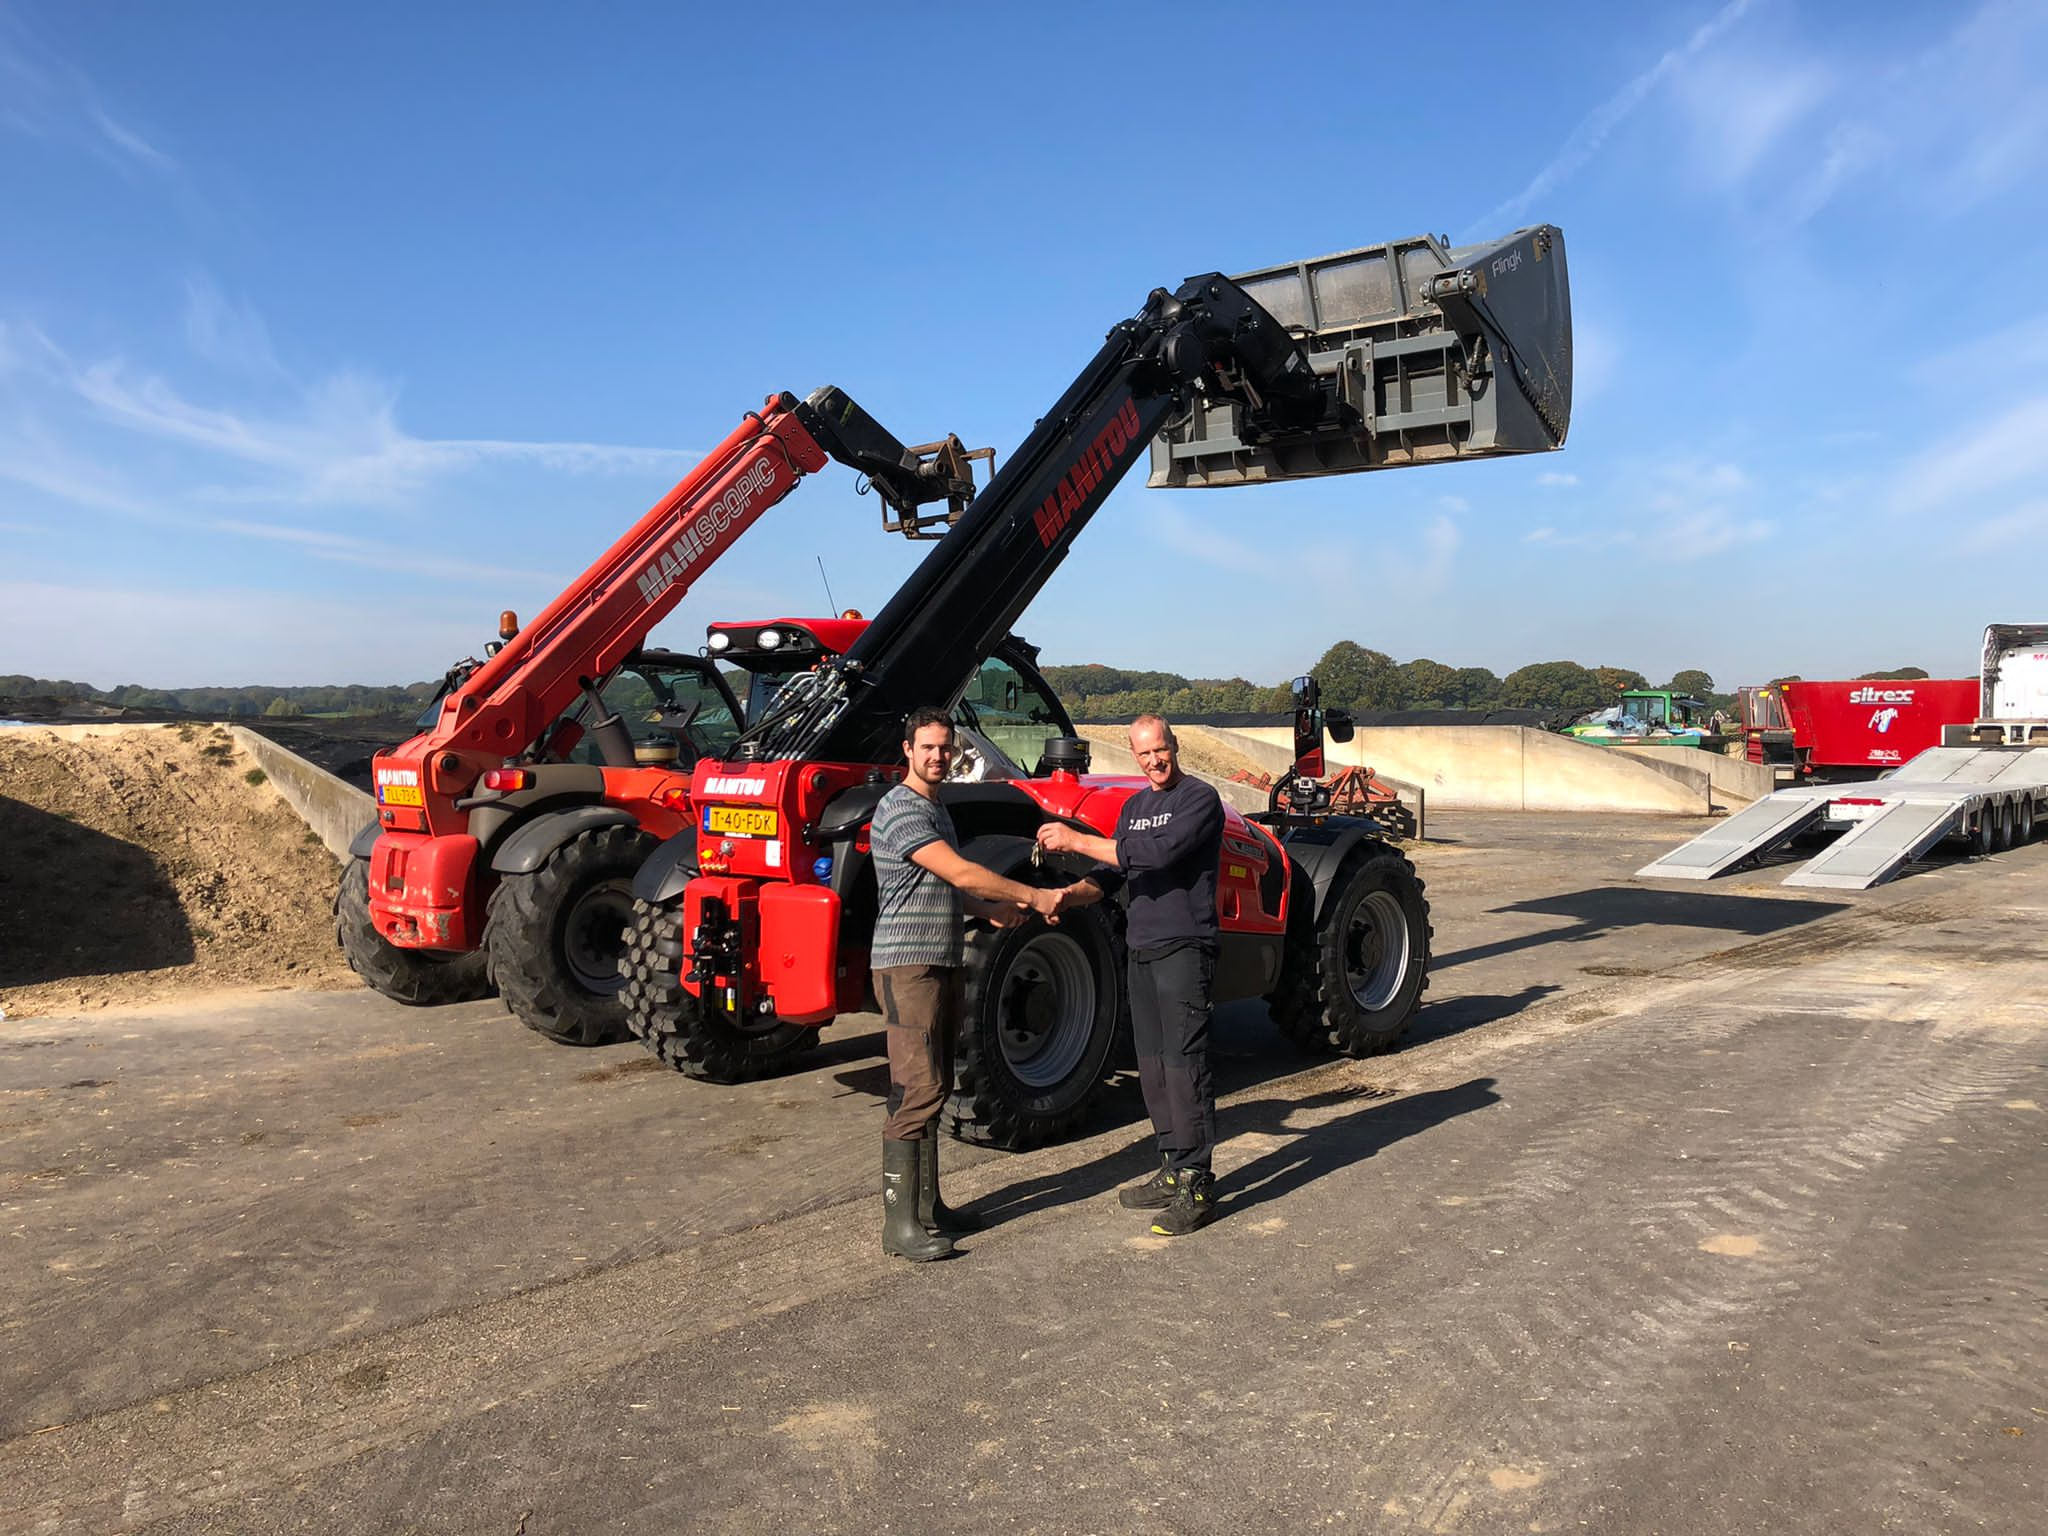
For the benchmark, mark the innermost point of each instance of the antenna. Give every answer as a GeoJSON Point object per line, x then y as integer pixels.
{"type": "Point", "coordinates": [830, 603]}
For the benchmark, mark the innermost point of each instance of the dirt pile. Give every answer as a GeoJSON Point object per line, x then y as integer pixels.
{"type": "Point", "coordinates": [1201, 750]}
{"type": "Point", "coordinates": [141, 861]}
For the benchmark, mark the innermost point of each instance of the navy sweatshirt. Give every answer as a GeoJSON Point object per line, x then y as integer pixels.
{"type": "Point", "coordinates": [1168, 842]}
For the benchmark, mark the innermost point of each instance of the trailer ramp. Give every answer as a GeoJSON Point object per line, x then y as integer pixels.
{"type": "Point", "coordinates": [1748, 834]}
{"type": "Point", "coordinates": [1918, 805]}
{"type": "Point", "coordinates": [1877, 848]}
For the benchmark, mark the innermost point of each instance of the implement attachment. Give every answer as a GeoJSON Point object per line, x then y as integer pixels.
{"type": "Point", "coordinates": [1424, 352]}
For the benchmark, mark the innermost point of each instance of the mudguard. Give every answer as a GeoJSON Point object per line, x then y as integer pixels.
{"type": "Point", "coordinates": [668, 869]}
{"type": "Point", "coordinates": [1320, 851]}
{"type": "Point", "coordinates": [528, 848]}
{"type": "Point", "coordinates": [365, 840]}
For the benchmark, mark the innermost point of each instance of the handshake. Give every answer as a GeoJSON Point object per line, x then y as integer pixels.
{"type": "Point", "coordinates": [1042, 902]}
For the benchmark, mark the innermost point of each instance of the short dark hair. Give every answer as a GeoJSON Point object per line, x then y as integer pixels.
{"type": "Point", "coordinates": [918, 719]}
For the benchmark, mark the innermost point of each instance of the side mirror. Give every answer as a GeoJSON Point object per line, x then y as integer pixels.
{"type": "Point", "coordinates": [1308, 729]}
{"type": "Point", "coordinates": [1340, 724]}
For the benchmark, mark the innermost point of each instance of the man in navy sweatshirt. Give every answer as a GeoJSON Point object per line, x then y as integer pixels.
{"type": "Point", "coordinates": [1166, 848]}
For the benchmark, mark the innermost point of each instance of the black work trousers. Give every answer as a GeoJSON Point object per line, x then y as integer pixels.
{"type": "Point", "coordinates": [1170, 1027]}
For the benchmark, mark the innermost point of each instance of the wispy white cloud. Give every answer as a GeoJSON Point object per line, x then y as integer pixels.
{"type": "Point", "coordinates": [338, 441]}
{"type": "Point", "coordinates": [1556, 477]}
{"type": "Point", "coordinates": [1977, 464]}
{"type": "Point", "coordinates": [46, 97]}
{"type": "Point", "coordinates": [1428, 569]}
{"type": "Point", "coordinates": [12, 527]}
{"type": "Point", "coordinates": [128, 141]}
{"type": "Point", "coordinates": [2023, 525]}
{"type": "Point", "coordinates": [324, 544]}
{"type": "Point", "coordinates": [1741, 105]}
{"type": "Point", "coordinates": [228, 334]}
{"type": "Point", "coordinates": [1596, 127]}
{"type": "Point", "coordinates": [1694, 512]}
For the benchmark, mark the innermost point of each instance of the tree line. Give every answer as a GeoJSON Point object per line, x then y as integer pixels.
{"type": "Point", "coordinates": [349, 699]}
{"type": "Point", "coordinates": [1356, 677]}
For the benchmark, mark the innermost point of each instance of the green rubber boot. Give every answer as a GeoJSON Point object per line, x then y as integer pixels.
{"type": "Point", "coordinates": [933, 1214]}
{"type": "Point", "coordinates": [902, 1235]}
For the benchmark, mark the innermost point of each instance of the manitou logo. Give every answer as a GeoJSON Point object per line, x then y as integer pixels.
{"type": "Point", "coordinates": [407, 776]}
{"type": "Point", "coordinates": [1882, 720]}
{"type": "Point", "coordinates": [675, 563]}
{"type": "Point", "coordinates": [1881, 696]}
{"type": "Point", "coordinates": [717, 785]}
{"type": "Point", "coordinates": [1095, 463]}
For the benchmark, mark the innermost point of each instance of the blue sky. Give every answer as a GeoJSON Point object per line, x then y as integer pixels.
{"type": "Point", "coordinates": [325, 333]}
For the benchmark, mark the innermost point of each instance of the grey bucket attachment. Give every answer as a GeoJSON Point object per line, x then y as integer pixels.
{"type": "Point", "coordinates": [1439, 353]}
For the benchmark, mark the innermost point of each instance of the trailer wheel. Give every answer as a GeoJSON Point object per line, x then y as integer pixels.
{"type": "Point", "coordinates": [1986, 835]}
{"type": "Point", "coordinates": [2023, 824]}
{"type": "Point", "coordinates": [678, 1028]}
{"type": "Point", "coordinates": [422, 978]}
{"type": "Point", "coordinates": [2005, 825]}
{"type": "Point", "coordinates": [1354, 986]}
{"type": "Point", "coordinates": [1042, 1007]}
{"type": "Point", "coordinates": [556, 935]}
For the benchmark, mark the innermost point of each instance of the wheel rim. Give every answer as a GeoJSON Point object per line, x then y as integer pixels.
{"type": "Point", "coordinates": [1376, 950]}
{"type": "Point", "coordinates": [1048, 1012]}
{"type": "Point", "coordinates": [594, 936]}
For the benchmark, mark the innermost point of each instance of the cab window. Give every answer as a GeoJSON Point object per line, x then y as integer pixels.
{"type": "Point", "coordinates": [640, 693]}
{"type": "Point", "coordinates": [1011, 711]}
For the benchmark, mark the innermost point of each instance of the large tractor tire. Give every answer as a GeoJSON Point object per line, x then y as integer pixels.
{"type": "Point", "coordinates": [1354, 984]}
{"type": "Point", "coordinates": [681, 1031]}
{"type": "Point", "coordinates": [1036, 1039]}
{"type": "Point", "coordinates": [420, 978]}
{"type": "Point", "coordinates": [556, 936]}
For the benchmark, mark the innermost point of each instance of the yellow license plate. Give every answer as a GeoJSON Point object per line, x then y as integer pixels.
{"type": "Point", "coordinates": [739, 821]}
{"type": "Point", "coordinates": [400, 794]}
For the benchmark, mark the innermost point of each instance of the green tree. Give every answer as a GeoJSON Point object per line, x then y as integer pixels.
{"type": "Point", "coordinates": [1615, 679]}
{"type": "Point", "coordinates": [283, 708]}
{"type": "Point", "coordinates": [1353, 677]}
{"type": "Point", "coordinates": [1425, 684]}
{"type": "Point", "coordinates": [1472, 688]}
{"type": "Point", "coordinates": [1693, 681]}
{"type": "Point", "coordinates": [1562, 686]}
{"type": "Point", "coordinates": [1897, 675]}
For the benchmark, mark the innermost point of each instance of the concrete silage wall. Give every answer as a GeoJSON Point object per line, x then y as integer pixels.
{"type": "Point", "coordinates": [336, 811]}
{"type": "Point", "coordinates": [1506, 768]}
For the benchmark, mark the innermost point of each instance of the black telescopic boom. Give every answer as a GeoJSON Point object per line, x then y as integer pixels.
{"type": "Point", "coordinates": [1207, 339]}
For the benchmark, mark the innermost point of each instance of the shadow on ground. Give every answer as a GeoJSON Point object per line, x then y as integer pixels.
{"type": "Point", "coordinates": [1380, 1120]}
{"type": "Point", "coordinates": [1606, 909]}
{"type": "Point", "coordinates": [77, 902]}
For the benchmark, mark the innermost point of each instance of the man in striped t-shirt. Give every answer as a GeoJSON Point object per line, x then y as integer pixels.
{"type": "Point", "coordinates": [926, 892]}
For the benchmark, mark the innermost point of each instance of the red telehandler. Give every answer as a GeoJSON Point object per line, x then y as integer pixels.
{"type": "Point", "coordinates": [753, 928]}
{"type": "Point", "coordinates": [509, 829]}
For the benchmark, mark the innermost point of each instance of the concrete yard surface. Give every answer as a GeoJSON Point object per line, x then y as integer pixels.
{"type": "Point", "coordinates": [1682, 1211]}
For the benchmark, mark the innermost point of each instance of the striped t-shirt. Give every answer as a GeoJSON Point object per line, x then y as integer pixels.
{"type": "Point", "coordinates": [920, 917]}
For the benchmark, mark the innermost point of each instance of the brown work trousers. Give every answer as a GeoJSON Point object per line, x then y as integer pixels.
{"type": "Point", "coordinates": [922, 1004]}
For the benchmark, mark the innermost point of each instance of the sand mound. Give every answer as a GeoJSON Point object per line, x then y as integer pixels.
{"type": "Point", "coordinates": [1201, 750]}
{"type": "Point", "coordinates": [138, 862]}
